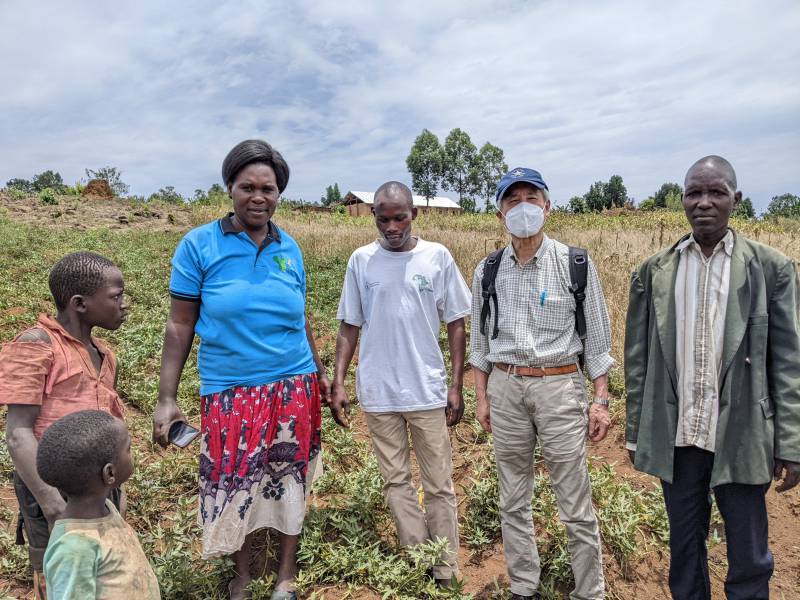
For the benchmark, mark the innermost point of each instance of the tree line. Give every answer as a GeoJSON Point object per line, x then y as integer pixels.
{"type": "Point", "coordinates": [457, 165]}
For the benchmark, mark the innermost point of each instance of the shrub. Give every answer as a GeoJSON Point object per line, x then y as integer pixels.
{"type": "Point", "coordinates": [48, 196]}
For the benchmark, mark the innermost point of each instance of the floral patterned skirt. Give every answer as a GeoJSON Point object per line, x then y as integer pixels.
{"type": "Point", "coordinates": [258, 456]}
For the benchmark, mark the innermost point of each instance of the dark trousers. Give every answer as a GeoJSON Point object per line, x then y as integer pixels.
{"type": "Point", "coordinates": [744, 512]}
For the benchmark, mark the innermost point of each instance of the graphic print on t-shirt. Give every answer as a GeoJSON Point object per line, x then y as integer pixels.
{"type": "Point", "coordinates": [423, 284]}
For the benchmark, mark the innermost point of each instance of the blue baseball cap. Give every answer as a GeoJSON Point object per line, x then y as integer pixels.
{"type": "Point", "coordinates": [517, 175]}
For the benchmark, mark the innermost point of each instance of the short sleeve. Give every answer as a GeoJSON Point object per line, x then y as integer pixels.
{"type": "Point", "coordinates": [24, 367]}
{"type": "Point", "coordinates": [350, 310]}
{"type": "Point", "coordinates": [187, 275]}
{"type": "Point", "coordinates": [457, 297]}
{"type": "Point", "coordinates": [70, 567]}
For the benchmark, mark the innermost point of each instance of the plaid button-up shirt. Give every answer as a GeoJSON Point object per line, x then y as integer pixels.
{"type": "Point", "coordinates": [537, 315]}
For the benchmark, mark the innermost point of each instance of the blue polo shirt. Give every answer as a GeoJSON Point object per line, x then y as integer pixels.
{"type": "Point", "coordinates": [252, 305]}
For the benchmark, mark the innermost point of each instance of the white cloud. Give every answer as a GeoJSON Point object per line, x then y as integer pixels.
{"type": "Point", "coordinates": [580, 90]}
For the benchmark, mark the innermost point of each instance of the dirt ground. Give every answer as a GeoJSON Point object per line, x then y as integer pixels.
{"type": "Point", "coordinates": [82, 214]}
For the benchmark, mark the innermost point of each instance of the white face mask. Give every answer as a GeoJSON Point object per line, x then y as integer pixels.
{"type": "Point", "coordinates": [524, 220]}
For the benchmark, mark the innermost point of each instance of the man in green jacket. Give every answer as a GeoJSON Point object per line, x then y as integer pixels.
{"type": "Point", "coordinates": [712, 371]}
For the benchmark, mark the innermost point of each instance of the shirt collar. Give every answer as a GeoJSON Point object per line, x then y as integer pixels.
{"type": "Point", "coordinates": [546, 241]}
{"type": "Point", "coordinates": [227, 226]}
{"type": "Point", "coordinates": [726, 243]}
{"type": "Point", "coordinates": [51, 324]}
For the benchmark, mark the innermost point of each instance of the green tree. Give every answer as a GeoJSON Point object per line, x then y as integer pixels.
{"type": "Point", "coordinates": [785, 205]}
{"type": "Point", "coordinates": [674, 200]}
{"type": "Point", "coordinates": [167, 194]}
{"type": "Point", "coordinates": [332, 195]}
{"type": "Point", "coordinates": [648, 204]}
{"type": "Point", "coordinates": [460, 156]}
{"type": "Point", "coordinates": [615, 193]}
{"type": "Point", "coordinates": [576, 205]}
{"type": "Point", "coordinates": [661, 195]}
{"type": "Point", "coordinates": [23, 185]}
{"type": "Point", "coordinates": [489, 167]}
{"type": "Point", "coordinates": [595, 198]}
{"type": "Point", "coordinates": [745, 209]}
{"type": "Point", "coordinates": [114, 178]}
{"type": "Point", "coordinates": [48, 179]}
{"type": "Point", "coordinates": [425, 163]}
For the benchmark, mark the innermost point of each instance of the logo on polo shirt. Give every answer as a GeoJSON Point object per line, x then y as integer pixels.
{"type": "Point", "coordinates": [282, 262]}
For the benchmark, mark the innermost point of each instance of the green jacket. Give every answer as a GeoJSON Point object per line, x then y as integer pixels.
{"type": "Point", "coordinates": [759, 399]}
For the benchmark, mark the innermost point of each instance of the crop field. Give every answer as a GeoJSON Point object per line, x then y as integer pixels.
{"type": "Point", "coordinates": [348, 546]}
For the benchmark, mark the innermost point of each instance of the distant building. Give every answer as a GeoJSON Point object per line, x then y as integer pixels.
{"type": "Point", "coordinates": [359, 204]}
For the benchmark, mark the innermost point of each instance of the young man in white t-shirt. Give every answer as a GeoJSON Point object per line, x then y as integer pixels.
{"type": "Point", "coordinates": [399, 289]}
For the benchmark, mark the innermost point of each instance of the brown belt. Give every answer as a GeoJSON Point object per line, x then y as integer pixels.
{"type": "Point", "coordinates": [536, 371]}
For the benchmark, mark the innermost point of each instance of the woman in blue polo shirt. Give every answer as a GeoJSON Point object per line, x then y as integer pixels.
{"type": "Point", "coordinates": [239, 284]}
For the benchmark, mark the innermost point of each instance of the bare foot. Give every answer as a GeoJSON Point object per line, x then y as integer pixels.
{"type": "Point", "coordinates": [237, 588]}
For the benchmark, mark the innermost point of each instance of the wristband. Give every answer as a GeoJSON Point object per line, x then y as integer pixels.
{"type": "Point", "coordinates": [600, 401]}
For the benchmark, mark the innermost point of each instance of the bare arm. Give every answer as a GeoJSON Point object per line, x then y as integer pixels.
{"type": "Point", "coordinates": [322, 376]}
{"type": "Point", "coordinates": [346, 342]}
{"type": "Point", "coordinates": [457, 341]}
{"type": "Point", "coordinates": [178, 337]}
{"type": "Point", "coordinates": [22, 446]}
{"type": "Point", "coordinates": [482, 410]}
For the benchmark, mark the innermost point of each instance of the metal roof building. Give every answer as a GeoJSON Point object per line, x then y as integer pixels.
{"type": "Point", "coordinates": [360, 204]}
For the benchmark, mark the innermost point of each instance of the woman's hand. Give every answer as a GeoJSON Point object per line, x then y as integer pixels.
{"type": "Point", "coordinates": [166, 413]}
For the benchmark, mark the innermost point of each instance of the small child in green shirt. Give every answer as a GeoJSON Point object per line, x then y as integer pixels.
{"type": "Point", "coordinates": [92, 552]}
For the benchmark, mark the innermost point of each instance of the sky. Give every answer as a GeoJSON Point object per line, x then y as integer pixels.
{"type": "Point", "coordinates": [578, 90]}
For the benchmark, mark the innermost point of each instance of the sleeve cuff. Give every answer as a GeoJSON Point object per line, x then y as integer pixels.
{"type": "Point", "coordinates": [184, 297]}
{"type": "Point", "coordinates": [630, 446]}
{"type": "Point", "coordinates": [480, 362]}
{"type": "Point", "coordinates": [599, 365]}
{"type": "Point", "coordinates": [457, 316]}
{"type": "Point", "coordinates": [353, 322]}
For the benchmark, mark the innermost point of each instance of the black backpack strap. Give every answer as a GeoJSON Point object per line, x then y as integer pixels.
{"type": "Point", "coordinates": [578, 274]}
{"type": "Point", "coordinates": [488, 291]}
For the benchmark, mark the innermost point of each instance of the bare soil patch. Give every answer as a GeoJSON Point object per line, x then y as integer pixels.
{"type": "Point", "coordinates": [96, 212]}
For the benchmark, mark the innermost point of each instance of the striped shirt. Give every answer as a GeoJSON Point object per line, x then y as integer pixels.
{"type": "Point", "coordinates": [537, 315]}
{"type": "Point", "coordinates": [701, 300]}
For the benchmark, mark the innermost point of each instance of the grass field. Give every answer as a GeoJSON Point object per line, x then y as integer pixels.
{"type": "Point", "coordinates": [348, 546]}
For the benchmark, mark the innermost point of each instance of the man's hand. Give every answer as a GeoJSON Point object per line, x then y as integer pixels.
{"type": "Point", "coordinates": [340, 405]}
{"type": "Point", "coordinates": [482, 414]}
{"type": "Point", "coordinates": [455, 406]}
{"type": "Point", "coordinates": [791, 477]}
{"type": "Point", "coordinates": [599, 422]}
{"type": "Point", "coordinates": [165, 414]}
{"type": "Point", "coordinates": [324, 387]}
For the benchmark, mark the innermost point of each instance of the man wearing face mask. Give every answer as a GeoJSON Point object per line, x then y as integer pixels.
{"type": "Point", "coordinates": [529, 385]}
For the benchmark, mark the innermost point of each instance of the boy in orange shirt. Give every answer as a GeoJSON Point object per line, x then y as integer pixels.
{"type": "Point", "coordinates": [54, 369]}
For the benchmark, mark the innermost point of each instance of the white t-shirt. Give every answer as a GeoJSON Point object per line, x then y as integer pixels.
{"type": "Point", "coordinates": [399, 300]}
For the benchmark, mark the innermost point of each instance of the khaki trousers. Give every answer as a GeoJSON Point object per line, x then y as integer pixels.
{"type": "Point", "coordinates": [389, 433]}
{"type": "Point", "coordinates": [553, 409]}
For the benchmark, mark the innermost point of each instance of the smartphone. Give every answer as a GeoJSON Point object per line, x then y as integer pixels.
{"type": "Point", "coordinates": [181, 434]}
